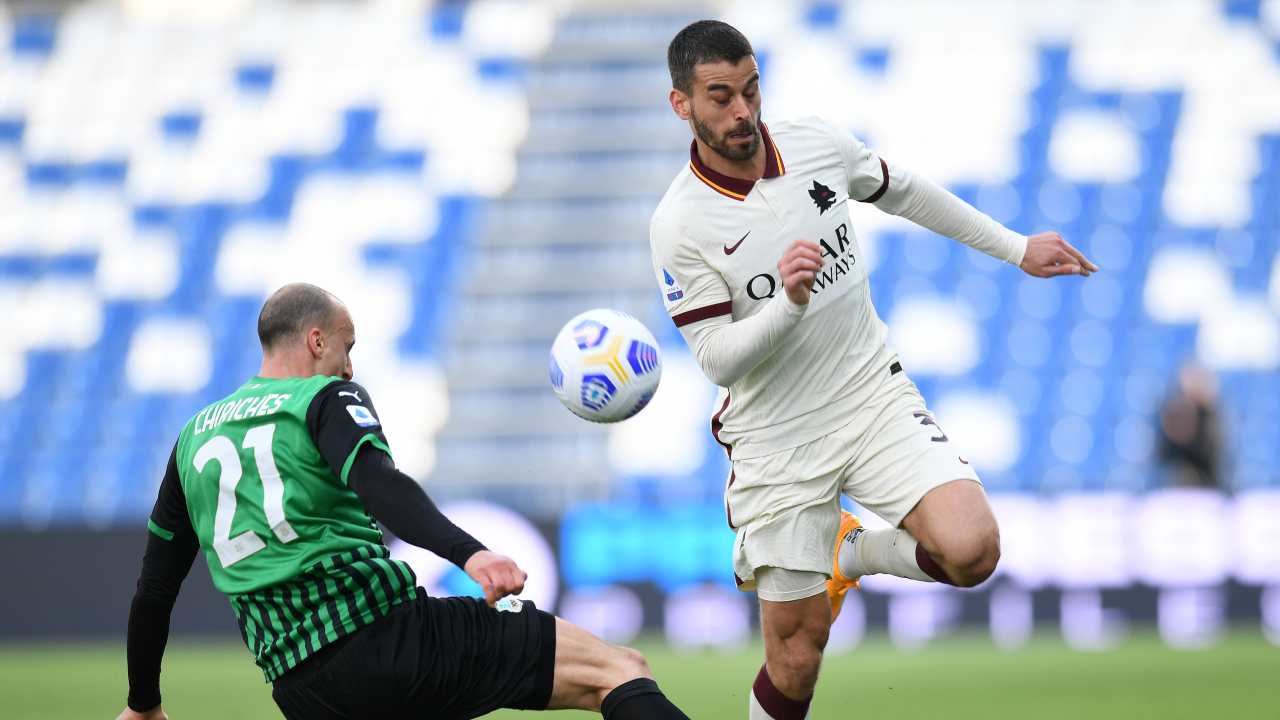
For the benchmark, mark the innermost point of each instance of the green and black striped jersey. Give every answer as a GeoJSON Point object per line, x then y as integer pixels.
{"type": "Point", "coordinates": [259, 479]}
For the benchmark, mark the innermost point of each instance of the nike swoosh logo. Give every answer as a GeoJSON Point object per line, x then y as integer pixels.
{"type": "Point", "coordinates": [731, 249]}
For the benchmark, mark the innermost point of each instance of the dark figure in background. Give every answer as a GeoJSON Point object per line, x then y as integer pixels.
{"type": "Point", "coordinates": [1190, 432]}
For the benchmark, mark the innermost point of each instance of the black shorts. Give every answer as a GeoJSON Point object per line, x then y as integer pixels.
{"type": "Point", "coordinates": [428, 658]}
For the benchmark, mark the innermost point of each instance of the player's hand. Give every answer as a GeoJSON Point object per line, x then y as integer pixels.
{"type": "Point", "coordinates": [1049, 255]}
{"type": "Point", "coordinates": [799, 266]}
{"type": "Point", "coordinates": [155, 713]}
{"type": "Point", "coordinates": [498, 575]}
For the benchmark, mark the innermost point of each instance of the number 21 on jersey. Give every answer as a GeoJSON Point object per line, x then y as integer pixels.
{"type": "Point", "coordinates": [232, 550]}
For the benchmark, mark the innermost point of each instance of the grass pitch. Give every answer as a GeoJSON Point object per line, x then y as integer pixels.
{"type": "Point", "coordinates": [952, 679]}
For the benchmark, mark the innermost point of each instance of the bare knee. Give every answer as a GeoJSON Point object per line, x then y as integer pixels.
{"type": "Point", "coordinates": [954, 523]}
{"type": "Point", "coordinates": [971, 561]}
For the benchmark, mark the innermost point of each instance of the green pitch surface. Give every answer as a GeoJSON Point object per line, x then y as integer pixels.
{"type": "Point", "coordinates": [957, 678]}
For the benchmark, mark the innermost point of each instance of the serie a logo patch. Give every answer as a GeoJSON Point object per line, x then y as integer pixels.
{"type": "Point", "coordinates": [673, 290]}
{"type": "Point", "coordinates": [362, 416]}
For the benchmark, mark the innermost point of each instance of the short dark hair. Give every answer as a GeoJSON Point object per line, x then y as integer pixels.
{"type": "Point", "coordinates": [702, 42]}
{"type": "Point", "coordinates": [291, 310]}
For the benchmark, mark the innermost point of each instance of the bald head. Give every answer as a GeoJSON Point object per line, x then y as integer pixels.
{"type": "Point", "coordinates": [293, 310]}
{"type": "Point", "coordinates": [305, 331]}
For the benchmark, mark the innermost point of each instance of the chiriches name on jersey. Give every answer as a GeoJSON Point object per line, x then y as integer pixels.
{"type": "Point", "coordinates": [253, 406]}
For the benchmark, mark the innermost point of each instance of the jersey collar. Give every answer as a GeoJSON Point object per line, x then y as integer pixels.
{"type": "Point", "coordinates": [733, 187]}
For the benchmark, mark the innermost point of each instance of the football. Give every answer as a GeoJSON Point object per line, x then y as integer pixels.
{"type": "Point", "coordinates": [605, 365]}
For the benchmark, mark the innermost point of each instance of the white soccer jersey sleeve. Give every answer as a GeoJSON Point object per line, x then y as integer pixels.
{"type": "Point", "coordinates": [691, 289]}
{"type": "Point", "coordinates": [905, 194]}
{"type": "Point", "coordinates": [931, 206]}
{"type": "Point", "coordinates": [725, 350]}
{"type": "Point", "coordinates": [868, 173]}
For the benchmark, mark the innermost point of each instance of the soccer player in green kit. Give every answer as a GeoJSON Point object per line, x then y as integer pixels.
{"type": "Point", "coordinates": [279, 484]}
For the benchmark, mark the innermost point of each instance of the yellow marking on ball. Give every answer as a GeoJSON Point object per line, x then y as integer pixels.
{"type": "Point", "coordinates": [609, 356]}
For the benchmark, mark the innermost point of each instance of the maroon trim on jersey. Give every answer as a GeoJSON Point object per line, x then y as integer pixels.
{"type": "Point", "coordinates": [737, 188]}
{"type": "Point", "coordinates": [703, 313]}
{"type": "Point", "coordinates": [883, 186]}
{"type": "Point", "coordinates": [728, 511]}
{"type": "Point", "coordinates": [716, 426]}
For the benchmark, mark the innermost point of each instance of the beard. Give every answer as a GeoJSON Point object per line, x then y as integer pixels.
{"type": "Point", "coordinates": [721, 144]}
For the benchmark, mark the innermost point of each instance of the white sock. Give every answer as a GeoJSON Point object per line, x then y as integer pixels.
{"type": "Point", "coordinates": [754, 711]}
{"type": "Point", "coordinates": [888, 550]}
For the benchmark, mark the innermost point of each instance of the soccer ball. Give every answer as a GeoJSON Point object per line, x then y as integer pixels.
{"type": "Point", "coordinates": [605, 365]}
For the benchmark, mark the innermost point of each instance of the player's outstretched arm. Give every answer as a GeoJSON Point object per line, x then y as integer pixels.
{"type": "Point", "coordinates": [397, 501]}
{"type": "Point", "coordinates": [346, 430]}
{"type": "Point", "coordinates": [171, 548]}
{"type": "Point", "coordinates": [1048, 255]}
{"type": "Point", "coordinates": [930, 206]}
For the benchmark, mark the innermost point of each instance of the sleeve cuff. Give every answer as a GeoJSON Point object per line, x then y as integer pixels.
{"type": "Point", "coordinates": [792, 308]}
{"type": "Point", "coordinates": [144, 702]}
{"type": "Point", "coordinates": [1018, 249]}
{"type": "Point", "coordinates": [159, 531]}
{"type": "Point", "coordinates": [370, 438]}
{"type": "Point", "coordinates": [463, 554]}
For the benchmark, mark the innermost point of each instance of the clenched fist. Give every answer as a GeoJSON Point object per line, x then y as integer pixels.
{"type": "Point", "coordinates": [799, 266]}
{"type": "Point", "coordinates": [498, 575]}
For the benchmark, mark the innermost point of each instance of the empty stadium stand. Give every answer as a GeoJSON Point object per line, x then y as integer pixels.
{"type": "Point", "coordinates": [470, 176]}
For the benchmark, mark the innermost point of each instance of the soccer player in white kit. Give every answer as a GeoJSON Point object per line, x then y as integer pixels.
{"type": "Point", "coordinates": [761, 271]}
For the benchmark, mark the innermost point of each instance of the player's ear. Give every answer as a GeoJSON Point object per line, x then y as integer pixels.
{"type": "Point", "coordinates": [315, 342]}
{"type": "Point", "coordinates": [679, 103]}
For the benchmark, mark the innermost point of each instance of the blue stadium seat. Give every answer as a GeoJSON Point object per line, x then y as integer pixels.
{"type": "Point", "coordinates": [34, 35]}
{"type": "Point", "coordinates": [11, 130]}
{"type": "Point", "coordinates": [255, 78]}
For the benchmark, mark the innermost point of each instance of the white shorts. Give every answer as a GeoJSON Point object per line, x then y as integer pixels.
{"type": "Point", "coordinates": [785, 506]}
{"type": "Point", "coordinates": [781, 585]}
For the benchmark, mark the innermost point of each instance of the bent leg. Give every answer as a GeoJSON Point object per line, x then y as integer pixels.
{"type": "Point", "coordinates": [591, 674]}
{"type": "Point", "coordinates": [911, 475]}
{"type": "Point", "coordinates": [957, 533]}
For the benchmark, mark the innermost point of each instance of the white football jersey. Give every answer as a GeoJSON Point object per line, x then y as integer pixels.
{"type": "Point", "coordinates": [716, 242]}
